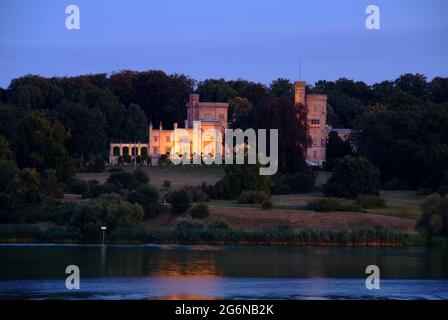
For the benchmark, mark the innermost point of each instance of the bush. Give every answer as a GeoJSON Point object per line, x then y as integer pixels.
{"type": "Point", "coordinates": [295, 183]}
{"type": "Point", "coordinates": [55, 211]}
{"type": "Point", "coordinates": [434, 219]}
{"type": "Point", "coordinates": [95, 190]}
{"type": "Point", "coordinates": [351, 177]}
{"type": "Point", "coordinates": [195, 194]}
{"type": "Point", "coordinates": [144, 195]}
{"type": "Point", "coordinates": [166, 184]}
{"type": "Point", "coordinates": [218, 224]}
{"type": "Point", "coordinates": [59, 193]}
{"type": "Point", "coordinates": [395, 184]}
{"type": "Point", "coordinates": [109, 210]}
{"type": "Point", "coordinates": [302, 182]}
{"type": "Point", "coordinates": [368, 201]}
{"type": "Point", "coordinates": [188, 229]}
{"type": "Point", "coordinates": [125, 180]}
{"type": "Point", "coordinates": [8, 170]}
{"type": "Point", "coordinates": [266, 205]}
{"type": "Point", "coordinates": [331, 204]}
{"type": "Point", "coordinates": [252, 197]}
{"type": "Point", "coordinates": [96, 165]}
{"type": "Point", "coordinates": [179, 201]}
{"type": "Point", "coordinates": [239, 178]}
{"type": "Point", "coordinates": [78, 187]}
{"type": "Point", "coordinates": [153, 209]}
{"type": "Point", "coordinates": [141, 176]}
{"type": "Point", "coordinates": [19, 232]}
{"type": "Point", "coordinates": [200, 211]}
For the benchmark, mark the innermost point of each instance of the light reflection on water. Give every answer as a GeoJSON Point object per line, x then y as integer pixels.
{"type": "Point", "coordinates": [208, 272]}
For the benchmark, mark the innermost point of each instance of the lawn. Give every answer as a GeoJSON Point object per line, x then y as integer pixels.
{"type": "Point", "coordinates": [400, 213]}
{"type": "Point", "coordinates": [178, 175]}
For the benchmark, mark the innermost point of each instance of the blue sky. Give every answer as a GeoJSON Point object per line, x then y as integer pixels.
{"type": "Point", "coordinates": [258, 40]}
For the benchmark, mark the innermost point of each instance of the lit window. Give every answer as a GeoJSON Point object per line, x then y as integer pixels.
{"type": "Point", "coordinates": [155, 150]}
{"type": "Point", "coordinates": [156, 138]}
{"type": "Point", "coordinates": [221, 116]}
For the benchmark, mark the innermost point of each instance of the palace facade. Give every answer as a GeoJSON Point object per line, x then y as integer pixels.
{"type": "Point", "coordinates": [214, 115]}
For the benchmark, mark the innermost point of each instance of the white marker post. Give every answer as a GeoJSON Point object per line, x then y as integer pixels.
{"type": "Point", "coordinates": [103, 228]}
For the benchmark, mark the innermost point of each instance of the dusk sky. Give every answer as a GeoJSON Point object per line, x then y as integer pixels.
{"type": "Point", "coordinates": [257, 40]}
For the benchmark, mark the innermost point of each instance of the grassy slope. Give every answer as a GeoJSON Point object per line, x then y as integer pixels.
{"type": "Point", "coordinates": [401, 212]}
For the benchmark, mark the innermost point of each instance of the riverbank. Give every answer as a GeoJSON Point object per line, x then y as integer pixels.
{"type": "Point", "coordinates": [195, 234]}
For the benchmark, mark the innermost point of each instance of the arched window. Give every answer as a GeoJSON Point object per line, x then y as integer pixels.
{"type": "Point", "coordinates": [125, 151]}
{"type": "Point", "coordinates": [116, 151]}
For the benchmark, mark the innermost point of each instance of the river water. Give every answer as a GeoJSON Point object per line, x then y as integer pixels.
{"type": "Point", "coordinates": [221, 272]}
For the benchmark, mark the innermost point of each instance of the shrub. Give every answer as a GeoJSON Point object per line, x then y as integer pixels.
{"type": "Point", "coordinates": [218, 224]}
{"type": "Point", "coordinates": [351, 177]}
{"type": "Point", "coordinates": [144, 195]}
{"type": "Point", "coordinates": [125, 180]}
{"type": "Point", "coordinates": [266, 205]}
{"type": "Point", "coordinates": [200, 211]}
{"type": "Point", "coordinates": [239, 178]}
{"type": "Point", "coordinates": [195, 194]}
{"type": "Point", "coordinates": [153, 209]}
{"type": "Point", "coordinates": [96, 165]}
{"type": "Point", "coordinates": [368, 201]}
{"type": "Point", "coordinates": [179, 201]}
{"type": "Point", "coordinates": [8, 170]}
{"type": "Point", "coordinates": [302, 182]}
{"type": "Point", "coordinates": [166, 184]}
{"type": "Point", "coordinates": [58, 233]}
{"type": "Point", "coordinates": [330, 204]}
{"type": "Point", "coordinates": [21, 231]}
{"type": "Point", "coordinates": [434, 219]}
{"type": "Point", "coordinates": [252, 197]}
{"type": "Point", "coordinates": [395, 184]}
{"type": "Point", "coordinates": [188, 229]}
{"type": "Point", "coordinates": [295, 183]}
{"type": "Point", "coordinates": [78, 187]}
{"type": "Point", "coordinates": [281, 184]}
{"type": "Point", "coordinates": [141, 176]}
{"type": "Point", "coordinates": [55, 211]}
{"type": "Point", "coordinates": [109, 210]}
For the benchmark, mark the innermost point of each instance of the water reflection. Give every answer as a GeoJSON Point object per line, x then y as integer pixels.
{"type": "Point", "coordinates": [154, 272]}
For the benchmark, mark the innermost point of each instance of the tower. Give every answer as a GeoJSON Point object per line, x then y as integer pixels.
{"type": "Point", "coordinates": [299, 92]}
{"type": "Point", "coordinates": [316, 109]}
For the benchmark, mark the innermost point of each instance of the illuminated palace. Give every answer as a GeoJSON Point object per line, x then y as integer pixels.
{"type": "Point", "coordinates": [214, 115]}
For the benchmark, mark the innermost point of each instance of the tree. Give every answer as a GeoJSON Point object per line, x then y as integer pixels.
{"type": "Point", "coordinates": [414, 84]}
{"type": "Point", "coordinates": [434, 219]}
{"type": "Point", "coordinates": [241, 113]}
{"type": "Point", "coordinates": [107, 210]}
{"type": "Point", "coordinates": [86, 127]}
{"type": "Point", "coordinates": [40, 145]}
{"type": "Point", "coordinates": [290, 120]}
{"type": "Point", "coordinates": [215, 90]}
{"type": "Point", "coordinates": [351, 177]}
{"type": "Point", "coordinates": [242, 177]}
{"type": "Point", "coordinates": [282, 88]}
{"type": "Point", "coordinates": [179, 201]}
{"type": "Point", "coordinates": [336, 148]}
{"type": "Point", "coordinates": [8, 171]}
{"type": "Point", "coordinates": [24, 195]}
{"type": "Point", "coordinates": [5, 151]}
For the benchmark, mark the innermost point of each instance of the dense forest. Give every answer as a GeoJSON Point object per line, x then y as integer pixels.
{"type": "Point", "coordinates": [65, 124]}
